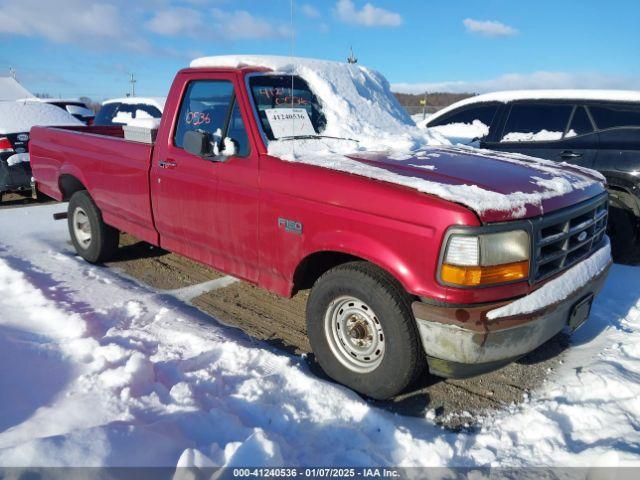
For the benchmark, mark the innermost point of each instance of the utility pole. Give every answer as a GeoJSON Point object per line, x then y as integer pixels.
{"type": "Point", "coordinates": [352, 58]}
{"type": "Point", "coordinates": [424, 106]}
{"type": "Point", "coordinates": [132, 81]}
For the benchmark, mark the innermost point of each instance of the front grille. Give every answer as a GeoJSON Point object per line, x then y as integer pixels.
{"type": "Point", "coordinates": [564, 238]}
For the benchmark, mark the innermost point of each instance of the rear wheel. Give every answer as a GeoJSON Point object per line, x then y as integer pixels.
{"type": "Point", "coordinates": [94, 240]}
{"type": "Point", "coordinates": [623, 228]}
{"type": "Point", "coordinates": [362, 330]}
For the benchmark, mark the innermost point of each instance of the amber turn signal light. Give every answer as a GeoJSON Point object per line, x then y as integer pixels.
{"type": "Point", "coordinates": [473, 276]}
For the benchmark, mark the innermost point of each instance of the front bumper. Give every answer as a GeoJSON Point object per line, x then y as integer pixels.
{"type": "Point", "coordinates": [461, 342]}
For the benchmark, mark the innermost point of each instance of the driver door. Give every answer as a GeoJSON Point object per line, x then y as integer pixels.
{"type": "Point", "coordinates": [192, 212]}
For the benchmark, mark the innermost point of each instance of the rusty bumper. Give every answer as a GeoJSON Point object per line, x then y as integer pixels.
{"type": "Point", "coordinates": [461, 342]}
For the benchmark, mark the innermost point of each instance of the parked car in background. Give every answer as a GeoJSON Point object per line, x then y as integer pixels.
{"type": "Point", "coordinates": [598, 129]}
{"type": "Point", "coordinates": [16, 119]}
{"type": "Point", "coordinates": [455, 259]}
{"type": "Point", "coordinates": [75, 107]}
{"type": "Point", "coordinates": [120, 111]}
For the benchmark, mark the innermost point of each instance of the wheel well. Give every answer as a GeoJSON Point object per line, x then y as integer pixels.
{"type": "Point", "coordinates": [627, 198]}
{"type": "Point", "coordinates": [69, 185]}
{"type": "Point", "coordinates": [312, 267]}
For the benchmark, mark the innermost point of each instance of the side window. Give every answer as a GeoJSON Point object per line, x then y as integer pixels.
{"type": "Point", "coordinates": [536, 122]}
{"type": "Point", "coordinates": [146, 111]}
{"type": "Point", "coordinates": [106, 114]}
{"type": "Point", "coordinates": [615, 116]}
{"type": "Point", "coordinates": [580, 123]}
{"type": "Point", "coordinates": [204, 107]}
{"type": "Point", "coordinates": [483, 113]}
{"type": "Point", "coordinates": [237, 132]}
{"type": "Point", "coordinates": [470, 122]}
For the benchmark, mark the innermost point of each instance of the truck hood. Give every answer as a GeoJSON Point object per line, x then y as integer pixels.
{"type": "Point", "coordinates": [497, 186]}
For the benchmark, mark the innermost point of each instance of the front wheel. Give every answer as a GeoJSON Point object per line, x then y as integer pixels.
{"type": "Point", "coordinates": [94, 240]}
{"type": "Point", "coordinates": [362, 330]}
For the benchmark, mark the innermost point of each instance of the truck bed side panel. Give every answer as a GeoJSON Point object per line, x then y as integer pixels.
{"type": "Point", "coordinates": [114, 171]}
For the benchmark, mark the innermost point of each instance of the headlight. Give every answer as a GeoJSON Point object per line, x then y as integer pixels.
{"type": "Point", "coordinates": [486, 259]}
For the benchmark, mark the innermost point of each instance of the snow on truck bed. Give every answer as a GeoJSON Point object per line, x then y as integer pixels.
{"type": "Point", "coordinates": [96, 370]}
{"type": "Point", "coordinates": [359, 105]}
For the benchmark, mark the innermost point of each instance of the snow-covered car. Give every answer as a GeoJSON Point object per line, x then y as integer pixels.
{"type": "Point", "coordinates": [598, 129]}
{"type": "Point", "coordinates": [10, 90]}
{"type": "Point", "coordinates": [121, 111]}
{"type": "Point", "coordinates": [16, 119]}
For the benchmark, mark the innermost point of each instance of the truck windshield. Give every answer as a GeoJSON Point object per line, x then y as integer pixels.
{"type": "Point", "coordinates": [286, 107]}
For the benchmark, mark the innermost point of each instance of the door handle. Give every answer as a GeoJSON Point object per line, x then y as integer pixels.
{"type": "Point", "coordinates": [167, 164]}
{"type": "Point", "coordinates": [570, 154]}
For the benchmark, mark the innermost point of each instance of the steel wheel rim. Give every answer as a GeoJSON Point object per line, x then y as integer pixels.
{"type": "Point", "coordinates": [354, 334]}
{"type": "Point", "coordinates": [81, 227]}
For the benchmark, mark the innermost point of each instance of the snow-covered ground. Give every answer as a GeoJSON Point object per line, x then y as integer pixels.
{"type": "Point", "coordinates": [96, 369]}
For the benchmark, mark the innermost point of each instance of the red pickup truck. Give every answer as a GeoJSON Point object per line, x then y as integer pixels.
{"type": "Point", "coordinates": [293, 174]}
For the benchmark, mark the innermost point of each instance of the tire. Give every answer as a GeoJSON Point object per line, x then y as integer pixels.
{"type": "Point", "coordinates": [94, 240]}
{"type": "Point", "coordinates": [623, 229]}
{"type": "Point", "coordinates": [362, 330]}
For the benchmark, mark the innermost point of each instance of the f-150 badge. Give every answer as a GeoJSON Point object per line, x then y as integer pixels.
{"type": "Point", "coordinates": [290, 225]}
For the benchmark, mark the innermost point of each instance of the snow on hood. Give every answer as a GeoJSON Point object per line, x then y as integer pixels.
{"type": "Point", "coordinates": [359, 105]}
{"type": "Point", "coordinates": [16, 117]}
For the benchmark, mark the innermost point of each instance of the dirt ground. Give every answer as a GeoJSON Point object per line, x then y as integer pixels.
{"type": "Point", "coordinates": [457, 404]}
{"type": "Point", "coordinates": [13, 200]}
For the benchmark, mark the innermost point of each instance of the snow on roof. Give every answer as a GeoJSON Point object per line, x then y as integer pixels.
{"type": "Point", "coordinates": [11, 90]}
{"type": "Point", "coordinates": [559, 94]}
{"type": "Point", "coordinates": [157, 102]}
{"type": "Point", "coordinates": [18, 117]}
{"type": "Point", "coordinates": [356, 101]}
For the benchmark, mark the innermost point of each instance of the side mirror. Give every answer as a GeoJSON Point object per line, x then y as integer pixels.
{"type": "Point", "coordinates": [197, 143]}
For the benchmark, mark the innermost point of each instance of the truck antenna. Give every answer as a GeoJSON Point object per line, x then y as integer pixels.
{"type": "Point", "coordinates": [132, 81]}
{"type": "Point", "coordinates": [352, 58]}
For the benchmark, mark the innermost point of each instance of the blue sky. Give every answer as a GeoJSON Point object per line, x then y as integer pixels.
{"type": "Point", "coordinates": [88, 47]}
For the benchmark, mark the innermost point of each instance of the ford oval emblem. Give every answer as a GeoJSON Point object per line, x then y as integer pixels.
{"type": "Point", "coordinates": [582, 237]}
{"type": "Point", "coordinates": [23, 137]}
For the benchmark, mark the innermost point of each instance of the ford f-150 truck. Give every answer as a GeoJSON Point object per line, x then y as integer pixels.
{"type": "Point", "coordinates": [294, 174]}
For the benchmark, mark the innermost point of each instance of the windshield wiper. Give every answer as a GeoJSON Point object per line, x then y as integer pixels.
{"type": "Point", "coordinates": [307, 137]}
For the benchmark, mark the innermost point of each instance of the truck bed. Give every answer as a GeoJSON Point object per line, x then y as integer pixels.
{"type": "Point", "coordinates": [115, 170]}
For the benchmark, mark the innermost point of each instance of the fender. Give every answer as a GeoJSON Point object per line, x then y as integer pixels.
{"type": "Point", "coordinates": [72, 170]}
{"type": "Point", "coordinates": [625, 182]}
{"type": "Point", "coordinates": [372, 250]}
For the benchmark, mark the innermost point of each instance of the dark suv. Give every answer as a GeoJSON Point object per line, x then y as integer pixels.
{"type": "Point", "coordinates": [595, 129]}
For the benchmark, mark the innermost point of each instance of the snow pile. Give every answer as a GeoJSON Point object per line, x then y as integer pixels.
{"type": "Point", "coordinates": [462, 132]}
{"type": "Point", "coordinates": [97, 370]}
{"type": "Point", "coordinates": [16, 117]}
{"type": "Point", "coordinates": [559, 288]}
{"type": "Point", "coordinates": [541, 136]}
{"type": "Point", "coordinates": [11, 90]}
{"type": "Point", "coordinates": [356, 101]}
{"type": "Point", "coordinates": [17, 158]}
